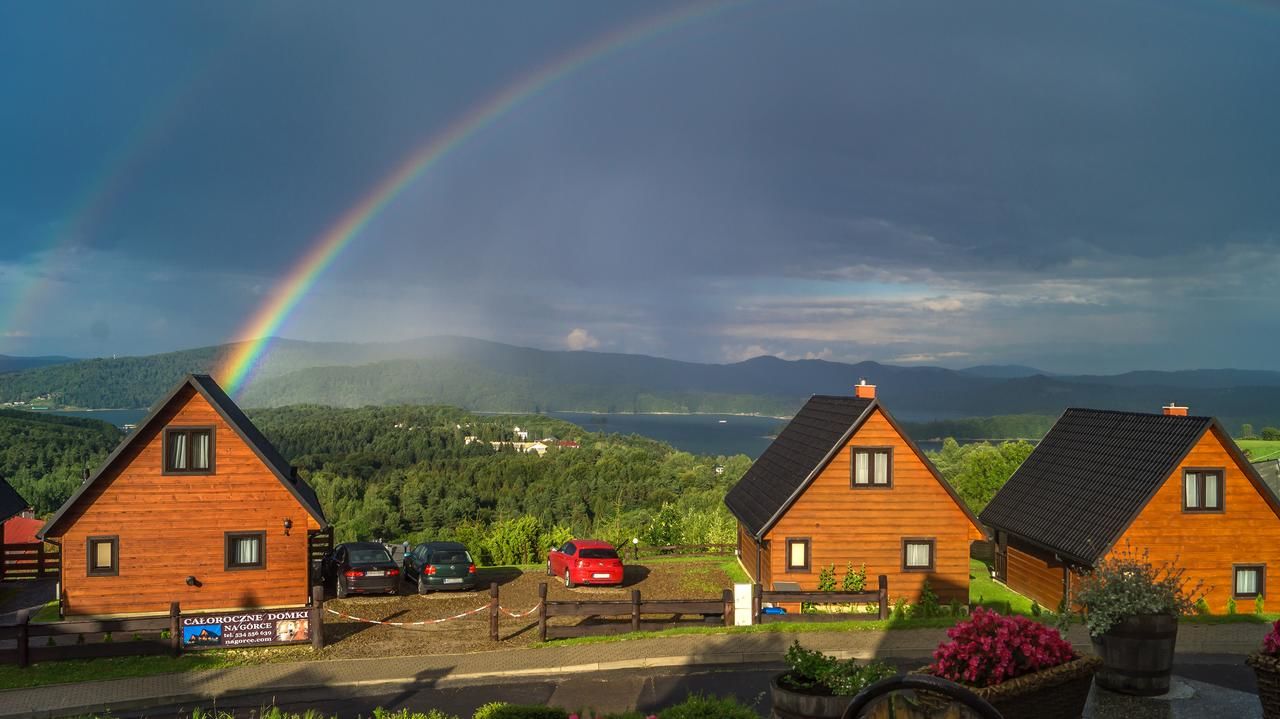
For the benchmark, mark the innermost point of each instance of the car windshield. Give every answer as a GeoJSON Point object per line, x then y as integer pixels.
{"type": "Point", "coordinates": [450, 556]}
{"type": "Point", "coordinates": [369, 556]}
{"type": "Point", "coordinates": [598, 554]}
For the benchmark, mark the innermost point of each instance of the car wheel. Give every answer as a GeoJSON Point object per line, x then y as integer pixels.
{"type": "Point", "coordinates": [422, 586]}
{"type": "Point", "coordinates": [341, 589]}
{"type": "Point", "coordinates": [568, 581]}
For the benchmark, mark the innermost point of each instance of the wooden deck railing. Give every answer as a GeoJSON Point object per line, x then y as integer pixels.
{"type": "Point", "coordinates": [636, 608]}
{"type": "Point", "coordinates": [880, 598]}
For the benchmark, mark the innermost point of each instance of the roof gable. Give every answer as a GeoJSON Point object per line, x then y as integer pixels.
{"type": "Point", "coordinates": [799, 454]}
{"type": "Point", "coordinates": [1094, 472]}
{"type": "Point", "coordinates": [234, 417]}
{"type": "Point", "coordinates": [11, 503]}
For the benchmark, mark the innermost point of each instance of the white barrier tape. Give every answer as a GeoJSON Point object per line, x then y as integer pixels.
{"type": "Point", "coordinates": [517, 615]}
{"type": "Point", "coordinates": [407, 624]}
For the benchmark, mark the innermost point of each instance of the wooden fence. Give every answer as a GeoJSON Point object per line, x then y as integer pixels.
{"type": "Point", "coordinates": [92, 638]}
{"type": "Point", "coordinates": [34, 560]}
{"type": "Point", "coordinates": [880, 598]}
{"type": "Point", "coordinates": [636, 608]}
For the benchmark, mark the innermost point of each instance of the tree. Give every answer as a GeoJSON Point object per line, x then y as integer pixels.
{"type": "Point", "coordinates": [1271, 434]}
{"type": "Point", "coordinates": [977, 471]}
{"type": "Point", "coordinates": [1246, 431]}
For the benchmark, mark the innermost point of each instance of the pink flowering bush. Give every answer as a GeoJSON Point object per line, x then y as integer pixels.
{"type": "Point", "coordinates": [988, 649]}
{"type": "Point", "coordinates": [1271, 643]}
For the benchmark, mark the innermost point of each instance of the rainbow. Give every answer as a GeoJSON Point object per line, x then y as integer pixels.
{"type": "Point", "coordinates": [236, 366]}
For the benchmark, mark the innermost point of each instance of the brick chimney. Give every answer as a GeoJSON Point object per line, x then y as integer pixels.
{"type": "Point", "coordinates": [862, 390]}
{"type": "Point", "coordinates": [1173, 410]}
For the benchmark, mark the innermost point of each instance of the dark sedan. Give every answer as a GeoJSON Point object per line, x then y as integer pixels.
{"type": "Point", "coordinates": [361, 568]}
{"type": "Point", "coordinates": [440, 565]}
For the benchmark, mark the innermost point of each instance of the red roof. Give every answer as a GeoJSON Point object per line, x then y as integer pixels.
{"type": "Point", "coordinates": [567, 443]}
{"type": "Point", "coordinates": [21, 530]}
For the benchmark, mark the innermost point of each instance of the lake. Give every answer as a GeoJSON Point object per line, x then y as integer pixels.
{"type": "Point", "coordinates": [696, 433]}
{"type": "Point", "coordinates": [713, 434]}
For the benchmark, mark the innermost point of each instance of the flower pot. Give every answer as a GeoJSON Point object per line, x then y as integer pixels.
{"type": "Point", "coordinates": [1059, 692]}
{"type": "Point", "coordinates": [1137, 654]}
{"type": "Point", "coordinates": [1267, 669]}
{"type": "Point", "coordinates": [792, 704]}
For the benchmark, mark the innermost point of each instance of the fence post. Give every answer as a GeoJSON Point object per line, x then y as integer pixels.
{"type": "Point", "coordinates": [175, 629]}
{"type": "Point", "coordinates": [24, 637]}
{"type": "Point", "coordinates": [3, 550]}
{"type": "Point", "coordinates": [317, 617]}
{"type": "Point", "coordinates": [635, 610]}
{"type": "Point", "coordinates": [756, 603]}
{"type": "Point", "coordinates": [493, 611]}
{"type": "Point", "coordinates": [727, 597]}
{"type": "Point", "coordinates": [542, 612]}
{"type": "Point", "coordinates": [40, 560]}
{"type": "Point", "coordinates": [884, 597]}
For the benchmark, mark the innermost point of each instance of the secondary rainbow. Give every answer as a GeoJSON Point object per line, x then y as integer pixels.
{"type": "Point", "coordinates": [235, 368]}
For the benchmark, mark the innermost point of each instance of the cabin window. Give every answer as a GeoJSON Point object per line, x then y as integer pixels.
{"type": "Point", "coordinates": [104, 556]}
{"type": "Point", "coordinates": [872, 466]}
{"type": "Point", "coordinates": [798, 555]}
{"type": "Point", "coordinates": [188, 451]}
{"type": "Point", "coordinates": [1202, 490]}
{"type": "Point", "coordinates": [246, 550]}
{"type": "Point", "coordinates": [1250, 580]}
{"type": "Point", "coordinates": [917, 555]}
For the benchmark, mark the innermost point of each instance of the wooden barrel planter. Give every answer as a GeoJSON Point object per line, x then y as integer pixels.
{"type": "Point", "coordinates": [791, 704]}
{"type": "Point", "coordinates": [1137, 654]}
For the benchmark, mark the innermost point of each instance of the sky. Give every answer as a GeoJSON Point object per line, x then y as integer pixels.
{"type": "Point", "coordinates": [1090, 186]}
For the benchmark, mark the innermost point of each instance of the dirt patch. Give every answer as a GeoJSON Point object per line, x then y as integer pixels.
{"type": "Point", "coordinates": [518, 592]}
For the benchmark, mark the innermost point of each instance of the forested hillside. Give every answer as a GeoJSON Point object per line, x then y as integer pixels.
{"type": "Point", "coordinates": [44, 456]}
{"type": "Point", "coordinates": [406, 472]}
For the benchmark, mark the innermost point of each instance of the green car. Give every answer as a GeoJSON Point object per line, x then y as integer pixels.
{"type": "Point", "coordinates": [440, 566]}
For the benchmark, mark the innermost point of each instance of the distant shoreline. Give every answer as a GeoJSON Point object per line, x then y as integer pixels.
{"type": "Point", "coordinates": [638, 414]}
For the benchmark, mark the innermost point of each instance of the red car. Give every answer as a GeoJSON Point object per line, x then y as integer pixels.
{"type": "Point", "coordinates": [585, 561]}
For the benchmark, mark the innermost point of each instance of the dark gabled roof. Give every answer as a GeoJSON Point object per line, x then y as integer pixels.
{"type": "Point", "coordinates": [800, 449]}
{"type": "Point", "coordinates": [800, 452]}
{"type": "Point", "coordinates": [1269, 471]}
{"type": "Point", "coordinates": [1092, 474]}
{"type": "Point", "coordinates": [11, 503]}
{"type": "Point", "coordinates": [233, 416]}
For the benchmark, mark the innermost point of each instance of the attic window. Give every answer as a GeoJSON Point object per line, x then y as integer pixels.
{"type": "Point", "coordinates": [188, 451]}
{"type": "Point", "coordinates": [1202, 490]}
{"type": "Point", "coordinates": [872, 467]}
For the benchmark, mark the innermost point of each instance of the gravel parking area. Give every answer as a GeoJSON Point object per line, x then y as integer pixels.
{"type": "Point", "coordinates": [518, 592]}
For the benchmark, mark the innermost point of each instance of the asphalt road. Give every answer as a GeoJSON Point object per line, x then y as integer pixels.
{"type": "Point", "coordinates": [650, 690]}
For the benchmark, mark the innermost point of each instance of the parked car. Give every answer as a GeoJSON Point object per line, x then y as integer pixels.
{"type": "Point", "coordinates": [360, 568]}
{"type": "Point", "coordinates": [585, 561]}
{"type": "Point", "coordinates": [440, 565]}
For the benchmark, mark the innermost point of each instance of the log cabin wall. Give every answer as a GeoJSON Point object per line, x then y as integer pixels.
{"type": "Point", "coordinates": [868, 525]}
{"type": "Point", "coordinates": [1033, 572]}
{"type": "Point", "coordinates": [748, 552]}
{"type": "Point", "coordinates": [1208, 544]}
{"type": "Point", "coordinates": [173, 526]}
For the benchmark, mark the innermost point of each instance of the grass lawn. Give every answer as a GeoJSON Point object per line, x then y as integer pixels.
{"type": "Point", "coordinates": [84, 670]}
{"type": "Point", "coordinates": [1260, 449]}
{"type": "Point", "coordinates": [987, 592]}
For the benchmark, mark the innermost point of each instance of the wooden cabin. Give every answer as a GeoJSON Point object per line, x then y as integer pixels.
{"type": "Point", "coordinates": [194, 506]}
{"type": "Point", "coordinates": [1170, 484]}
{"type": "Point", "coordinates": [842, 483]}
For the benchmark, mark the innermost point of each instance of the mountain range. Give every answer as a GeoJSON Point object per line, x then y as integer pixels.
{"type": "Point", "coordinates": [489, 376]}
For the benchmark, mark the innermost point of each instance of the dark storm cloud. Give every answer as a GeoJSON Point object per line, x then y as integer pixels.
{"type": "Point", "coordinates": [916, 181]}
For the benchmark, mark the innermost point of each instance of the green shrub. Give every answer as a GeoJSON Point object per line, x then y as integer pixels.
{"type": "Point", "coordinates": [515, 541]}
{"type": "Point", "coordinates": [815, 672]}
{"type": "Point", "coordinates": [1259, 606]}
{"type": "Point", "coordinates": [1202, 607]}
{"type": "Point", "coordinates": [854, 581]}
{"type": "Point", "coordinates": [827, 579]}
{"type": "Point", "coordinates": [1035, 608]}
{"type": "Point", "coordinates": [900, 609]}
{"type": "Point", "coordinates": [1231, 605]}
{"type": "Point", "coordinates": [502, 710]}
{"type": "Point", "coordinates": [698, 706]}
{"type": "Point", "coordinates": [929, 605]}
